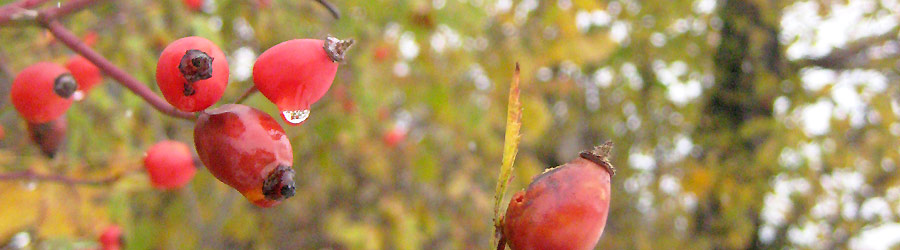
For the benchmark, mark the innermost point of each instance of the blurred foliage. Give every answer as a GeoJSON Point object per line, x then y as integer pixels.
{"type": "Point", "coordinates": [705, 109]}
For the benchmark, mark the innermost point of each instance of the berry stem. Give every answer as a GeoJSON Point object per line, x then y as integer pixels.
{"type": "Point", "coordinates": [246, 95]}
{"type": "Point", "coordinates": [335, 48]}
{"type": "Point", "coordinates": [73, 42]}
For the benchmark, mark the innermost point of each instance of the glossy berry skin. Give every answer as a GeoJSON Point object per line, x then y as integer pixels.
{"type": "Point", "coordinates": [169, 165]}
{"type": "Point", "coordinates": [112, 238]}
{"type": "Point", "coordinates": [49, 135]}
{"type": "Point", "coordinates": [563, 208]}
{"type": "Point", "coordinates": [42, 92]}
{"type": "Point", "coordinates": [86, 74]}
{"type": "Point", "coordinates": [192, 73]}
{"type": "Point", "coordinates": [295, 74]}
{"type": "Point", "coordinates": [247, 150]}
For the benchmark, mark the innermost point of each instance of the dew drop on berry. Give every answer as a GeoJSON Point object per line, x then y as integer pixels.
{"type": "Point", "coordinates": [295, 116]}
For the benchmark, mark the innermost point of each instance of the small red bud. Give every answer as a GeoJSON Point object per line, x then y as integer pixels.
{"type": "Point", "coordinates": [112, 238]}
{"type": "Point", "coordinates": [169, 165]}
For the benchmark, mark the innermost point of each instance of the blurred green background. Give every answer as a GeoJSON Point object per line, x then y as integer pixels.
{"type": "Point", "coordinates": [738, 124]}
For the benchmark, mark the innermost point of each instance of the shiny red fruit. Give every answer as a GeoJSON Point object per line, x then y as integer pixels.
{"type": "Point", "coordinates": [194, 5]}
{"type": "Point", "coordinates": [49, 135]}
{"type": "Point", "coordinates": [395, 136]}
{"type": "Point", "coordinates": [112, 238]}
{"type": "Point", "coordinates": [246, 149]}
{"type": "Point", "coordinates": [295, 74]}
{"type": "Point", "coordinates": [86, 74]}
{"type": "Point", "coordinates": [564, 207]}
{"type": "Point", "coordinates": [169, 165]}
{"type": "Point", "coordinates": [42, 92]}
{"type": "Point", "coordinates": [192, 73]}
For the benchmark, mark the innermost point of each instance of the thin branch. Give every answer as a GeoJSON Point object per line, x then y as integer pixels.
{"type": "Point", "coordinates": [841, 58]}
{"type": "Point", "coordinates": [32, 176]}
{"type": "Point", "coordinates": [67, 8]}
{"type": "Point", "coordinates": [334, 10]}
{"type": "Point", "coordinates": [246, 95]}
{"type": "Point", "coordinates": [13, 10]}
{"type": "Point", "coordinates": [74, 43]}
{"type": "Point", "coordinates": [7, 79]}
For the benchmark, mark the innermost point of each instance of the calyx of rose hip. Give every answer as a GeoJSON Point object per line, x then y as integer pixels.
{"type": "Point", "coordinates": [279, 185]}
{"type": "Point", "coordinates": [64, 85]}
{"type": "Point", "coordinates": [195, 65]}
{"type": "Point", "coordinates": [335, 48]}
{"type": "Point", "coordinates": [600, 155]}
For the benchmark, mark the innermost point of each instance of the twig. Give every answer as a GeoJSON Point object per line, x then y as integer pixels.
{"type": "Point", "coordinates": [73, 42]}
{"type": "Point", "coordinates": [9, 11]}
{"type": "Point", "coordinates": [842, 58]}
{"type": "Point", "coordinates": [334, 11]}
{"type": "Point", "coordinates": [32, 176]}
{"type": "Point", "coordinates": [6, 80]}
{"type": "Point", "coordinates": [67, 8]}
{"type": "Point", "coordinates": [246, 95]}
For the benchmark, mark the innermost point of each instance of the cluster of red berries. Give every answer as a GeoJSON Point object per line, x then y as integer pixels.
{"type": "Point", "coordinates": [44, 91]}
{"type": "Point", "coordinates": [240, 145]}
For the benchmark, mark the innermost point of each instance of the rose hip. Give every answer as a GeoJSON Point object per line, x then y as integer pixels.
{"type": "Point", "coordinates": [247, 150]}
{"type": "Point", "coordinates": [564, 207]}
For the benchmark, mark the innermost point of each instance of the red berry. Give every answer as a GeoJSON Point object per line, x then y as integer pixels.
{"type": "Point", "coordinates": [86, 74]}
{"type": "Point", "coordinates": [169, 165]}
{"type": "Point", "coordinates": [295, 74]}
{"type": "Point", "coordinates": [90, 38]}
{"type": "Point", "coordinates": [112, 238]}
{"type": "Point", "coordinates": [395, 136]}
{"type": "Point", "coordinates": [563, 208]}
{"type": "Point", "coordinates": [246, 149]}
{"type": "Point", "coordinates": [49, 135]}
{"type": "Point", "coordinates": [382, 52]}
{"type": "Point", "coordinates": [194, 5]}
{"type": "Point", "coordinates": [42, 92]}
{"type": "Point", "coordinates": [192, 73]}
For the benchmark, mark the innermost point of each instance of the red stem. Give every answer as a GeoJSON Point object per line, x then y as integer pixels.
{"type": "Point", "coordinates": [9, 10]}
{"type": "Point", "coordinates": [32, 176]}
{"type": "Point", "coordinates": [246, 95]}
{"type": "Point", "coordinates": [74, 43]}
{"type": "Point", "coordinates": [67, 8]}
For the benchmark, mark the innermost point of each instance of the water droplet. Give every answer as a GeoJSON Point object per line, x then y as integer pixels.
{"type": "Point", "coordinates": [295, 116]}
{"type": "Point", "coordinates": [78, 95]}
